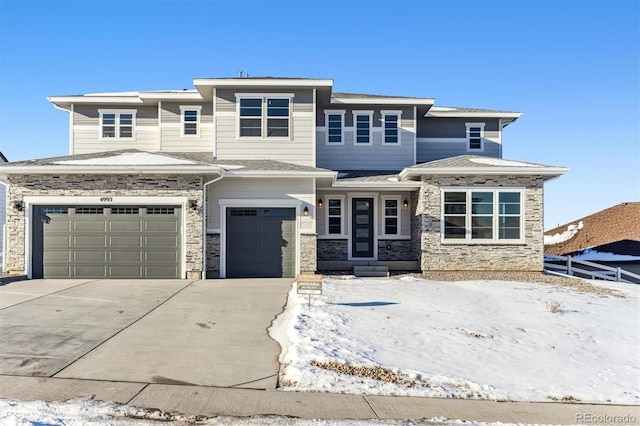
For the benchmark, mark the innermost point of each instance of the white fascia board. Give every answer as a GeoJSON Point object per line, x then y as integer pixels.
{"type": "Point", "coordinates": [96, 169]}
{"type": "Point", "coordinates": [432, 113]}
{"type": "Point", "coordinates": [267, 82]}
{"type": "Point", "coordinates": [174, 96]}
{"type": "Point", "coordinates": [526, 171]}
{"type": "Point", "coordinates": [94, 99]}
{"type": "Point", "coordinates": [383, 101]}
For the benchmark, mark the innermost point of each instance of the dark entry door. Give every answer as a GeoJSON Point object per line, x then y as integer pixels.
{"type": "Point", "coordinates": [362, 227]}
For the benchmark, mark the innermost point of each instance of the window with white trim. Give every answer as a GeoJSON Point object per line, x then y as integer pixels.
{"type": "Point", "coordinates": [190, 120]}
{"type": "Point", "coordinates": [334, 216]}
{"type": "Point", "coordinates": [482, 215]}
{"type": "Point", "coordinates": [475, 136]}
{"type": "Point", "coordinates": [264, 117]}
{"type": "Point", "coordinates": [391, 215]}
{"type": "Point", "coordinates": [334, 121]}
{"type": "Point", "coordinates": [362, 121]}
{"type": "Point", "coordinates": [117, 124]}
{"type": "Point", "coordinates": [390, 122]}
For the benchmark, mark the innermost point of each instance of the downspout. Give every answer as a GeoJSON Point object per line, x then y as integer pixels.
{"type": "Point", "coordinates": [4, 226]}
{"type": "Point", "coordinates": [204, 222]}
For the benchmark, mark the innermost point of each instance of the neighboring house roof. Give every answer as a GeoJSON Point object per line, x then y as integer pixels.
{"type": "Point", "coordinates": [479, 165]}
{"type": "Point", "coordinates": [620, 223]}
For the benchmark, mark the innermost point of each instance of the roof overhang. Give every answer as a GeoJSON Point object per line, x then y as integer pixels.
{"type": "Point", "coordinates": [6, 171]}
{"type": "Point", "coordinates": [506, 116]}
{"type": "Point", "coordinates": [547, 172]}
{"type": "Point", "coordinates": [382, 101]}
{"type": "Point", "coordinates": [377, 185]}
{"type": "Point", "coordinates": [240, 173]}
{"type": "Point", "coordinates": [267, 82]}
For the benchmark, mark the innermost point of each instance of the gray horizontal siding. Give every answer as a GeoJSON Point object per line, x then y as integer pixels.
{"type": "Point", "coordinates": [436, 150]}
{"type": "Point", "coordinates": [452, 127]}
{"type": "Point", "coordinates": [88, 115]}
{"type": "Point", "coordinates": [371, 157]}
{"type": "Point", "coordinates": [171, 111]}
{"type": "Point", "coordinates": [407, 114]}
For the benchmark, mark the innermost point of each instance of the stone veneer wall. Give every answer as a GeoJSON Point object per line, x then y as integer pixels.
{"type": "Point", "coordinates": [333, 249]}
{"type": "Point", "coordinates": [308, 253]}
{"type": "Point", "coordinates": [132, 186]}
{"type": "Point", "coordinates": [398, 250]}
{"type": "Point", "coordinates": [436, 256]}
{"type": "Point", "coordinates": [213, 256]}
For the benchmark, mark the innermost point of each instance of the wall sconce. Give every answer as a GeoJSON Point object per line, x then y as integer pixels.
{"type": "Point", "coordinates": [193, 204]}
{"type": "Point", "coordinates": [405, 204]}
{"type": "Point", "coordinates": [320, 203]}
{"type": "Point", "coordinates": [18, 206]}
{"type": "Point", "coordinates": [305, 211]}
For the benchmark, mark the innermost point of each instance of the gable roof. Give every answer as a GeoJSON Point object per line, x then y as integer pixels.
{"type": "Point", "coordinates": [479, 165]}
{"type": "Point", "coordinates": [617, 223]}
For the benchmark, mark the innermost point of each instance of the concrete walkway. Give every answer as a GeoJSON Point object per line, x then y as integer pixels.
{"type": "Point", "coordinates": [211, 401]}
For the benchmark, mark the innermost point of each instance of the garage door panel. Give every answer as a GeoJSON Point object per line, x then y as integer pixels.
{"type": "Point", "coordinates": [161, 256]}
{"type": "Point", "coordinates": [125, 256]}
{"type": "Point", "coordinates": [161, 226]}
{"type": "Point", "coordinates": [91, 226]}
{"type": "Point", "coordinates": [89, 256]}
{"type": "Point", "coordinates": [57, 240]}
{"type": "Point", "coordinates": [89, 240]}
{"type": "Point", "coordinates": [123, 226]}
{"type": "Point", "coordinates": [116, 241]}
{"type": "Point", "coordinates": [107, 242]}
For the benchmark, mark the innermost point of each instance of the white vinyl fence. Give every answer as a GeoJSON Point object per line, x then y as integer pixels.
{"type": "Point", "coordinates": [585, 269]}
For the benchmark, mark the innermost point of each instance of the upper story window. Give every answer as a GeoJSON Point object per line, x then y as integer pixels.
{"type": "Point", "coordinates": [117, 124]}
{"type": "Point", "coordinates": [190, 120]}
{"type": "Point", "coordinates": [482, 215]}
{"type": "Point", "coordinates": [475, 136]}
{"type": "Point", "coordinates": [264, 116]}
{"type": "Point", "coordinates": [391, 120]}
{"type": "Point", "coordinates": [362, 122]}
{"type": "Point", "coordinates": [334, 121]}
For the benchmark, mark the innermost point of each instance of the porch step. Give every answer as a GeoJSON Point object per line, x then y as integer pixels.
{"type": "Point", "coordinates": [371, 271]}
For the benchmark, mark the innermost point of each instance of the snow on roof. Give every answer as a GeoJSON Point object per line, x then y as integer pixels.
{"type": "Point", "coordinates": [500, 162]}
{"type": "Point", "coordinates": [129, 159]}
{"type": "Point", "coordinates": [601, 256]}
{"type": "Point", "coordinates": [561, 237]}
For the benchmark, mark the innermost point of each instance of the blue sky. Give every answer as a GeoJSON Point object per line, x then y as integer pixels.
{"type": "Point", "coordinates": [572, 67]}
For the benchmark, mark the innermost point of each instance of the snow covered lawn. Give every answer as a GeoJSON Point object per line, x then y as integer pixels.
{"type": "Point", "coordinates": [464, 339]}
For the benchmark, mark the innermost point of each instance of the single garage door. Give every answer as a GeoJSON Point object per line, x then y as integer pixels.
{"type": "Point", "coordinates": [260, 242]}
{"type": "Point", "coordinates": [107, 242]}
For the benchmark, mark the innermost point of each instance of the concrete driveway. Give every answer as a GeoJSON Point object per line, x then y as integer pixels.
{"type": "Point", "coordinates": [210, 333]}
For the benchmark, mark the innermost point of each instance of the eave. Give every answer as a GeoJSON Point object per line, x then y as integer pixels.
{"type": "Point", "coordinates": [108, 170]}
{"type": "Point", "coordinates": [550, 172]}
{"type": "Point", "coordinates": [383, 101]}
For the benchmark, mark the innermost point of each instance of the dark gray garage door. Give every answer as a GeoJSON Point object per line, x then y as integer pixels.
{"type": "Point", "coordinates": [106, 242]}
{"type": "Point", "coordinates": [260, 242]}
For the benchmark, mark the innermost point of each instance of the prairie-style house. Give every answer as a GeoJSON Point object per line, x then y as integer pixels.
{"type": "Point", "coordinates": [270, 177]}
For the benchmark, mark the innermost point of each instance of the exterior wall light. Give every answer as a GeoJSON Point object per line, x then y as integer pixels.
{"type": "Point", "coordinates": [18, 206]}
{"type": "Point", "coordinates": [405, 204]}
{"type": "Point", "coordinates": [193, 204]}
{"type": "Point", "coordinates": [320, 203]}
{"type": "Point", "coordinates": [305, 211]}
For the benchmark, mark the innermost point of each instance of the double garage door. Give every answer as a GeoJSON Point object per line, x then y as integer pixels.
{"type": "Point", "coordinates": [107, 242]}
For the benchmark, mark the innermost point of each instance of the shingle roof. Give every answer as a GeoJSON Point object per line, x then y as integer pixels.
{"type": "Point", "coordinates": [475, 161]}
{"type": "Point", "coordinates": [465, 109]}
{"type": "Point", "coordinates": [368, 175]}
{"type": "Point", "coordinates": [617, 223]}
{"type": "Point", "coordinates": [198, 159]}
{"type": "Point", "coordinates": [373, 96]}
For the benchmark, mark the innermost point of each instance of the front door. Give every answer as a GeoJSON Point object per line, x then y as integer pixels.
{"type": "Point", "coordinates": [362, 227]}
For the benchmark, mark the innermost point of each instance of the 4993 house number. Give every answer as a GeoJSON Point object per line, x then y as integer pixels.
{"type": "Point", "coordinates": [106, 199]}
